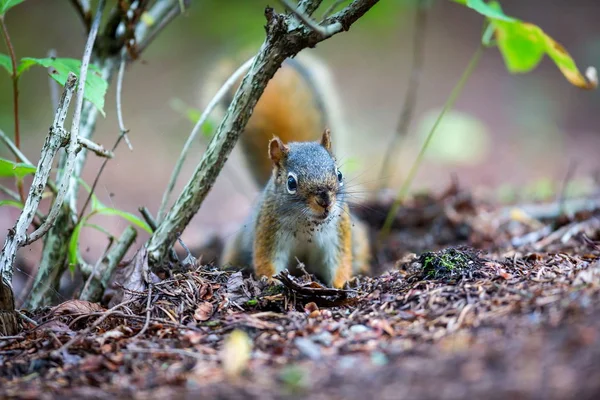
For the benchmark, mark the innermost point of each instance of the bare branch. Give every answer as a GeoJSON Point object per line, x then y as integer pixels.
{"type": "Point", "coordinates": [17, 237]}
{"type": "Point", "coordinates": [222, 92]}
{"type": "Point", "coordinates": [279, 44]}
{"type": "Point", "coordinates": [324, 31]}
{"type": "Point", "coordinates": [98, 149]}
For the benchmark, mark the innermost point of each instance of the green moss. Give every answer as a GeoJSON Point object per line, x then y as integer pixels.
{"type": "Point", "coordinates": [450, 263]}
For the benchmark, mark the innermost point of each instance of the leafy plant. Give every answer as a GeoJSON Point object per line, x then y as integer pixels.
{"type": "Point", "coordinates": [98, 208]}
{"type": "Point", "coordinates": [523, 44]}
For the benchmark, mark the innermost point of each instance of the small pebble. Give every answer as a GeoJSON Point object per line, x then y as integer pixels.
{"type": "Point", "coordinates": [308, 348]}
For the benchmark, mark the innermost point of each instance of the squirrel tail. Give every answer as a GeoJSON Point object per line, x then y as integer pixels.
{"type": "Point", "coordinates": [298, 104]}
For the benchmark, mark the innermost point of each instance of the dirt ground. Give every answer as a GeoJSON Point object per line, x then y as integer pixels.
{"type": "Point", "coordinates": [468, 300]}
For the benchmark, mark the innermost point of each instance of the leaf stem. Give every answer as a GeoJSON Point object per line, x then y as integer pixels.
{"type": "Point", "coordinates": [413, 170]}
{"type": "Point", "coordinates": [15, 85]}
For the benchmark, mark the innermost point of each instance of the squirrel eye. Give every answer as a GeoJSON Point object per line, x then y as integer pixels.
{"type": "Point", "coordinates": [339, 175]}
{"type": "Point", "coordinates": [292, 184]}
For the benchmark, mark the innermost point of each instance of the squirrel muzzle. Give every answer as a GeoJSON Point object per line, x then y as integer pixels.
{"type": "Point", "coordinates": [321, 203]}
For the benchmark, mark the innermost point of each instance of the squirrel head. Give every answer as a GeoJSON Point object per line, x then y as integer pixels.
{"type": "Point", "coordinates": [306, 176]}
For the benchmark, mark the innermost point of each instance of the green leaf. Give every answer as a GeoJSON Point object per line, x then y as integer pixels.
{"type": "Point", "coordinates": [523, 45]}
{"type": "Point", "coordinates": [488, 10]}
{"type": "Point", "coordinates": [18, 170]}
{"type": "Point", "coordinates": [95, 85]}
{"type": "Point", "coordinates": [11, 203]}
{"type": "Point", "coordinates": [99, 210]}
{"type": "Point", "coordinates": [6, 63]}
{"type": "Point", "coordinates": [125, 215]}
{"type": "Point", "coordinates": [73, 243]}
{"type": "Point", "coordinates": [6, 5]}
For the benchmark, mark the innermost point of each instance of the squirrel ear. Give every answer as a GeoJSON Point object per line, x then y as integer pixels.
{"type": "Point", "coordinates": [278, 151]}
{"type": "Point", "coordinates": [326, 140]}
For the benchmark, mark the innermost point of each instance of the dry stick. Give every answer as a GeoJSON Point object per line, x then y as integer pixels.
{"type": "Point", "coordinates": [281, 42]}
{"type": "Point", "coordinates": [15, 87]}
{"type": "Point", "coordinates": [413, 170]}
{"type": "Point", "coordinates": [148, 311]}
{"type": "Point", "coordinates": [410, 98]}
{"type": "Point", "coordinates": [74, 145]}
{"type": "Point", "coordinates": [105, 315]}
{"type": "Point", "coordinates": [214, 102]}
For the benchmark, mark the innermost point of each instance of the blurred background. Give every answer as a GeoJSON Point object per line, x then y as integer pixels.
{"type": "Point", "coordinates": [508, 134]}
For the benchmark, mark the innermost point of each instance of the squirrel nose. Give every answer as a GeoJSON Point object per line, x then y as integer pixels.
{"type": "Point", "coordinates": [323, 199]}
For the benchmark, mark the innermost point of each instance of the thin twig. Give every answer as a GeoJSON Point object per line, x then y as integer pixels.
{"type": "Point", "coordinates": [96, 148]}
{"type": "Point", "coordinates": [410, 98]}
{"type": "Point", "coordinates": [214, 102]}
{"type": "Point", "coordinates": [148, 313]}
{"type": "Point", "coordinates": [87, 330]}
{"type": "Point", "coordinates": [74, 143]}
{"type": "Point", "coordinates": [324, 31]}
{"type": "Point", "coordinates": [26, 318]}
{"type": "Point", "coordinates": [332, 8]}
{"type": "Point", "coordinates": [14, 149]}
{"type": "Point", "coordinates": [124, 131]}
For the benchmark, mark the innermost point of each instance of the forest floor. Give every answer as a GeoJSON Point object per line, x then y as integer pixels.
{"type": "Point", "coordinates": [470, 300]}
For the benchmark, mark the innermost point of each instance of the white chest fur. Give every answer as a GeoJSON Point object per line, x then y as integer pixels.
{"type": "Point", "coordinates": [316, 246]}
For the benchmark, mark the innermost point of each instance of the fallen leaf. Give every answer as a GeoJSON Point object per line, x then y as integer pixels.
{"type": "Point", "coordinates": [76, 307]}
{"type": "Point", "coordinates": [204, 311]}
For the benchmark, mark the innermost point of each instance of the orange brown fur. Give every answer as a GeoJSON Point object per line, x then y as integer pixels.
{"type": "Point", "coordinates": [264, 245]}
{"type": "Point", "coordinates": [288, 108]}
